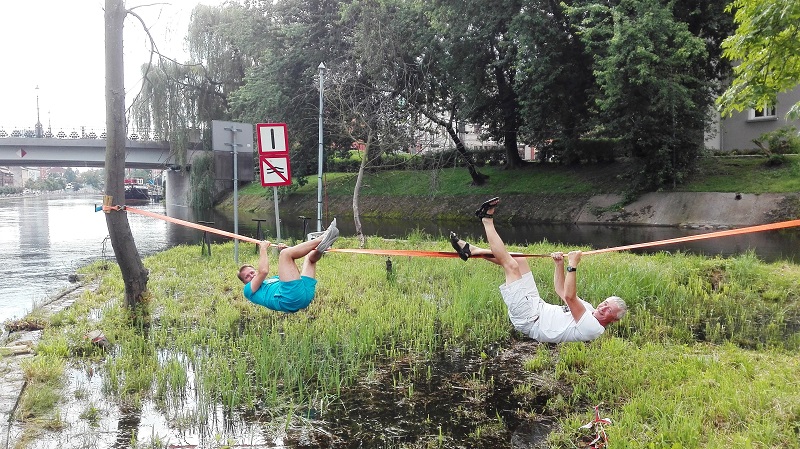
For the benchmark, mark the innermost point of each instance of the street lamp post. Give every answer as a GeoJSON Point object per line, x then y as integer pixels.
{"type": "Point", "coordinates": [319, 174]}
{"type": "Point", "coordinates": [39, 133]}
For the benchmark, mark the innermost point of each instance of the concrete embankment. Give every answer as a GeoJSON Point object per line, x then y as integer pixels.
{"type": "Point", "coordinates": [705, 209]}
{"type": "Point", "coordinates": [690, 209]}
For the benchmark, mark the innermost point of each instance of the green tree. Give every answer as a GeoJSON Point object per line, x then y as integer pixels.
{"type": "Point", "coordinates": [70, 175]}
{"type": "Point", "coordinates": [481, 56]}
{"type": "Point", "coordinates": [653, 90]}
{"type": "Point", "coordinates": [766, 51]}
{"type": "Point", "coordinates": [93, 178]}
{"type": "Point", "coordinates": [555, 82]}
{"type": "Point", "coordinates": [371, 90]}
{"type": "Point", "coordinates": [293, 38]}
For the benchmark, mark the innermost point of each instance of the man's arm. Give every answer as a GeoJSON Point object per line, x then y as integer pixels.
{"type": "Point", "coordinates": [570, 297]}
{"type": "Point", "coordinates": [558, 273]}
{"type": "Point", "coordinates": [263, 267]}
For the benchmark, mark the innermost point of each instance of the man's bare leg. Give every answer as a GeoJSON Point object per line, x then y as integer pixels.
{"type": "Point", "coordinates": [502, 257]}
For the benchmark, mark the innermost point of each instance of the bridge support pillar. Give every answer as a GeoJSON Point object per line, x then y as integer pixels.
{"type": "Point", "coordinates": [176, 190]}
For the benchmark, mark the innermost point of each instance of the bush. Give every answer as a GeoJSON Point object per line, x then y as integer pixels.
{"type": "Point", "coordinates": [784, 140]}
{"type": "Point", "coordinates": [420, 161]}
{"type": "Point", "coordinates": [8, 190]}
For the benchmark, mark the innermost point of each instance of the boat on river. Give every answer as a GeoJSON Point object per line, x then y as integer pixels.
{"type": "Point", "coordinates": [136, 191]}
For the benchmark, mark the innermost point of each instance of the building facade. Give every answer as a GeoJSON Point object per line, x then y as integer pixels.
{"type": "Point", "coordinates": [737, 132]}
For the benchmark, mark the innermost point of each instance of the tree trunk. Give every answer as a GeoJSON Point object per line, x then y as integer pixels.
{"type": "Point", "coordinates": [509, 106]}
{"type": "Point", "coordinates": [478, 179]}
{"type": "Point", "coordinates": [357, 192]}
{"type": "Point", "coordinates": [133, 271]}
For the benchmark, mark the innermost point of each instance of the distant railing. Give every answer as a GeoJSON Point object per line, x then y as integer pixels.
{"type": "Point", "coordinates": [79, 133]}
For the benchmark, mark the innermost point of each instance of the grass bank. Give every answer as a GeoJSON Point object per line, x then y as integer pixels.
{"type": "Point", "coordinates": [745, 174]}
{"type": "Point", "coordinates": [448, 194]}
{"type": "Point", "coordinates": [706, 358]}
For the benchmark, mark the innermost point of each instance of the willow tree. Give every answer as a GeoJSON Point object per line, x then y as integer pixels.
{"type": "Point", "coordinates": [178, 99]}
{"type": "Point", "coordinates": [134, 274]}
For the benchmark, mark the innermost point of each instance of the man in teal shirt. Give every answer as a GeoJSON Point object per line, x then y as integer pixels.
{"type": "Point", "coordinates": [292, 289]}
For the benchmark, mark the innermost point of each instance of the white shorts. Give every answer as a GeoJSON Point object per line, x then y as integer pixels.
{"type": "Point", "coordinates": [524, 304]}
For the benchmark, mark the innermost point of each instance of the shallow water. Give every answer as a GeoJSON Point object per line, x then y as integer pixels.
{"type": "Point", "coordinates": [455, 400]}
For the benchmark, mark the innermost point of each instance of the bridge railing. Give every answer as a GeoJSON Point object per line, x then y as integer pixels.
{"type": "Point", "coordinates": [142, 134]}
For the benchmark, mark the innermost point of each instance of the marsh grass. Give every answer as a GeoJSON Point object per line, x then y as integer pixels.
{"type": "Point", "coordinates": [702, 360]}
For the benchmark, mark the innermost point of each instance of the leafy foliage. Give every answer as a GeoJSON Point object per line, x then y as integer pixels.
{"type": "Point", "coordinates": [783, 140]}
{"type": "Point", "coordinates": [551, 75]}
{"type": "Point", "coordinates": [652, 87]}
{"type": "Point", "coordinates": [766, 49]}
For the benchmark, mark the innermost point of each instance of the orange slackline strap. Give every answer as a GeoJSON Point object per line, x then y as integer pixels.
{"type": "Point", "coordinates": [182, 222]}
{"type": "Point", "coordinates": [414, 253]}
{"type": "Point", "coordinates": [379, 252]}
{"type": "Point", "coordinates": [710, 235]}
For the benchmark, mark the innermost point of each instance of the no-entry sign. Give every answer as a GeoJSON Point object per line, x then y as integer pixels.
{"type": "Point", "coordinates": [275, 170]}
{"type": "Point", "coordinates": [273, 154]}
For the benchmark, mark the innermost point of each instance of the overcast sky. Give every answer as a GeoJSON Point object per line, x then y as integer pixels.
{"type": "Point", "coordinates": [58, 45]}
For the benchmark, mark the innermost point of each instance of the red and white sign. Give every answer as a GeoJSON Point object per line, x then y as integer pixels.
{"type": "Point", "coordinates": [273, 154]}
{"type": "Point", "coordinates": [275, 170]}
{"type": "Point", "coordinates": [21, 152]}
{"type": "Point", "coordinates": [273, 139]}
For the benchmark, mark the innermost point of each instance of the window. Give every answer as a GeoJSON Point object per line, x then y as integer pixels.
{"type": "Point", "coordinates": [767, 112]}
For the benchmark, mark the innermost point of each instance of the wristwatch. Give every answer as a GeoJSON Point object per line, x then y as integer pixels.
{"type": "Point", "coordinates": [571, 269]}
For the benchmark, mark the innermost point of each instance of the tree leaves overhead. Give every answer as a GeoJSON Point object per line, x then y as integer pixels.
{"type": "Point", "coordinates": [176, 95]}
{"type": "Point", "coordinates": [766, 51]}
{"type": "Point", "coordinates": [528, 72]}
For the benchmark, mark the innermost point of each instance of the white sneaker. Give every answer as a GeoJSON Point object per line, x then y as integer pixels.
{"type": "Point", "coordinates": [327, 239]}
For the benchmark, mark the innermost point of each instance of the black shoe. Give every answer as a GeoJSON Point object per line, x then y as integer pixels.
{"type": "Point", "coordinates": [464, 253]}
{"type": "Point", "coordinates": [482, 211]}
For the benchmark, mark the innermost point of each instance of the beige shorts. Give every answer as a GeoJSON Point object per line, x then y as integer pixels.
{"type": "Point", "coordinates": [524, 304]}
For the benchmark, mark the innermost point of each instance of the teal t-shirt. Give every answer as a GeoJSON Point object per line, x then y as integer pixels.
{"type": "Point", "coordinates": [280, 296]}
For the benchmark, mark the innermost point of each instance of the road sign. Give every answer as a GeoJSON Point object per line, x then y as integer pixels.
{"type": "Point", "coordinates": [222, 131]}
{"type": "Point", "coordinates": [275, 170]}
{"type": "Point", "coordinates": [21, 153]}
{"type": "Point", "coordinates": [273, 139]}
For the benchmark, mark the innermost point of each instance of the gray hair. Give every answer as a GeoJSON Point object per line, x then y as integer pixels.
{"type": "Point", "coordinates": [623, 308]}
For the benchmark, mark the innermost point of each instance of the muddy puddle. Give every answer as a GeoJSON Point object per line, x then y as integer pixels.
{"type": "Point", "coordinates": [453, 401]}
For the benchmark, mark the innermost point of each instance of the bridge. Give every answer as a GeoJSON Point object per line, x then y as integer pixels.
{"type": "Point", "coordinates": [83, 152]}
{"type": "Point", "coordinates": [88, 149]}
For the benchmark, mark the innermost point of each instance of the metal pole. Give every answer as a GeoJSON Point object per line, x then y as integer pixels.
{"type": "Point", "coordinates": [319, 176]}
{"type": "Point", "coordinates": [234, 130]}
{"type": "Point", "coordinates": [39, 133]}
{"type": "Point", "coordinates": [277, 215]}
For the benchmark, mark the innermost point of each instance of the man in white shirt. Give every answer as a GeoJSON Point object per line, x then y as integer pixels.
{"type": "Point", "coordinates": [577, 321]}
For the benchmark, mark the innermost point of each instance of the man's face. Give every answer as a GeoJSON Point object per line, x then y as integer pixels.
{"type": "Point", "coordinates": [606, 312]}
{"type": "Point", "coordinates": [247, 274]}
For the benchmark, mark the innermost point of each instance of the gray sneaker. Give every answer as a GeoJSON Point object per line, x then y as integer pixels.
{"type": "Point", "coordinates": [327, 239]}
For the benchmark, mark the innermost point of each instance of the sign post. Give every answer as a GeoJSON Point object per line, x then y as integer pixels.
{"type": "Point", "coordinates": [273, 161]}
{"type": "Point", "coordinates": [219, 131]}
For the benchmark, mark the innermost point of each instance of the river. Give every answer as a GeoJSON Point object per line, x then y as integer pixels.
{"type": "Point", "coordinates": [46, 238]}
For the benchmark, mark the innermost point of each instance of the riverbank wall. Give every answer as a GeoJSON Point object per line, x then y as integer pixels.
{"type": "Point", "coordinates": [711, 210]}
